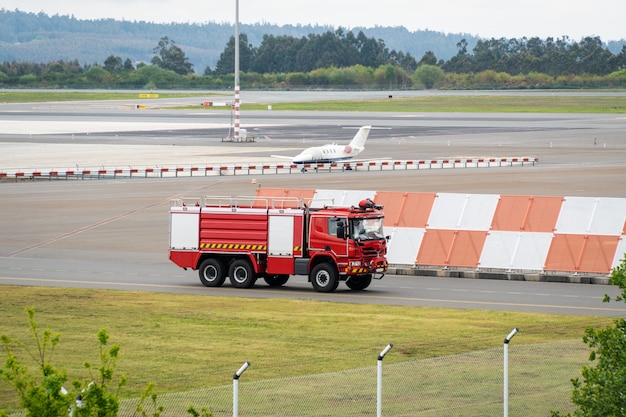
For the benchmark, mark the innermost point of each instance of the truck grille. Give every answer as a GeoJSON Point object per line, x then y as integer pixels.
{"type": "Point", "coordinates": [370, 252]}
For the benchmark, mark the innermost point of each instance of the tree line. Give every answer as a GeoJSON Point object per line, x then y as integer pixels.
{"type": "Point", "coordinates": [342, 59]}
{"type": "Point", "coordinates": [523, 56]}
{"type": "Point", "coordinates": [340, 49]}
{"type": "Point", "coordinates": [285, 54]}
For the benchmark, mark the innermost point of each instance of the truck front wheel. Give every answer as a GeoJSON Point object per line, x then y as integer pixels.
{"type": "Point", "coordinates": [241, 274]}
{"type": "Point", "coordinates": [360, 282]}
{"type": "Point", "coordinates": [324, 277]}
{"type": "Point", "coordinates": [212, 272]}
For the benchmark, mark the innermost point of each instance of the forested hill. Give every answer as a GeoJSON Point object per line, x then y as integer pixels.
{"type": "Point", "coordinates": [40, 38]}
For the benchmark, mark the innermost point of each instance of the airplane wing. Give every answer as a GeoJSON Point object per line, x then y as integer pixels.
{"type": "Point", "coordinates": [283, 157]}
{"type": "Point", "coordinates": [384, 158]}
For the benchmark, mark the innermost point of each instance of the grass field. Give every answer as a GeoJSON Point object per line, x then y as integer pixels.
{"type": "Point", "coordinates": [481, 103]}
{"type": "Point", "coordinates": [173, 339]}
{"type": "Point", "coordinates": [475, 103]}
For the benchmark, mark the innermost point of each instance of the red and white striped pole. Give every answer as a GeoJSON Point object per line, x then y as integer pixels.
{"type": "Point", "coordinates": [237, 113]}
{"type": "Point", "coordinates": [237, 88]}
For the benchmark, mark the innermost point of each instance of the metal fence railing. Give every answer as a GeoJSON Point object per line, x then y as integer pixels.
{"type": "Point", "coordinates": [463, 385]}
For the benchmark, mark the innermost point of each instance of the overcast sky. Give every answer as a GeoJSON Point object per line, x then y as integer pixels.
{"type": "Point", "coordinates": [484, 18]}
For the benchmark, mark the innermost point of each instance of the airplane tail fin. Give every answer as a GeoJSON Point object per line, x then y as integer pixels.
{"type": "Point", "coordinates": [361, 136]}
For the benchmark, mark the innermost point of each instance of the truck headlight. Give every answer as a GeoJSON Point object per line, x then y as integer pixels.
{"type": "Point", "coordinates": [355, 263]}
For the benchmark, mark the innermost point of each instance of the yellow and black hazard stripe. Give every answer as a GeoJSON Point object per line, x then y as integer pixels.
{"type": "Point", "coordinates": [233, 246]}
{"type": "Point", "coordinates": [359, 270]}
{"type": "Point", "coordinates": [240, 246]}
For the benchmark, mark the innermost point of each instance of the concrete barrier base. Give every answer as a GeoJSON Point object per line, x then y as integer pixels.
{"type": "Point", "coordinates": [504, 275]}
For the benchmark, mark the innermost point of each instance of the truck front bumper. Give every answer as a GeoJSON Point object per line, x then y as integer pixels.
{"type": "Point", "coordinates": [370, 266]}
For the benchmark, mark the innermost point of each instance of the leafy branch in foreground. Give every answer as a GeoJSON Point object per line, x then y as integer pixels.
{"type": "Point", "coordinates": [150, 395]}
{"type": "Point", "coordinates": [44, 395]}
{"type": "Point", "coordinates": [202, 413]}
{"type": "Point", "coordinates": [95, 397]}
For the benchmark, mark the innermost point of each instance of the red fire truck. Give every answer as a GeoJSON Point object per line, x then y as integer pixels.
{"type": "Point", "coordinates": [246, 238]}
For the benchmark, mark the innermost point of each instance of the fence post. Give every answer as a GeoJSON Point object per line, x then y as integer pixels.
{"type": "Point", "coordinates": [506, 370]}
{"type": "Point", "coordinates": [379, 390]}
{"type": "Point", "coordinates": [236, 388]}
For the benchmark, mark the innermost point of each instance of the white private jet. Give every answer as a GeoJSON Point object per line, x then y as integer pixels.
{"type": "Point", "coordinates": [332, 152]}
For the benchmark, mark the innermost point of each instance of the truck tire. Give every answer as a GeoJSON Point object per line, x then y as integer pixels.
{"type": "Point", "coordinates": [241, 274]}
{"type": "Point", "coordinates": [360, 282]}
{"type": "Point", "coordinates": [276, 280]}
{"type": "Point", "coordinates": [212, 272]}
{"type": "Point", "coordinates": [324, 277]}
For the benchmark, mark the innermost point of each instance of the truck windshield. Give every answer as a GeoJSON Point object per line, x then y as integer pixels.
{"type": "Point", "coordinates": [366, 229]}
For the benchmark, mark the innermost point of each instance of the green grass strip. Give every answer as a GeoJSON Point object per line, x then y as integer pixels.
{"type": "Point", "coordinates": [180, 341]}
{"type": "Point", "coordinates": [478, 103]}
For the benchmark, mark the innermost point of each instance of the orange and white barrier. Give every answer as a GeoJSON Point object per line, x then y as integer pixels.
{"type": "Point", "coordinates": [488, 232]}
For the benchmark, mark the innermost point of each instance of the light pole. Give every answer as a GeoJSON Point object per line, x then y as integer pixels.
{"type": "Point", "coordinates": [237, 87]}
{"type": "Point", "coordinates": [379, 391]}
{"type": "Point", "coordinates": [506, 370]}
{"type": "Point", "coordinates": [236, 388]}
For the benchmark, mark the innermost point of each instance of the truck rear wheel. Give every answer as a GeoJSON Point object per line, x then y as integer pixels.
{"type": "Point", "coordinates": [324, 277]}
{"type": "Point", "coordinates": [212, 272]}
{"type": "Point", "coordinates": [276, 280]}
{"type": "Point", "coordinates": [241, 274]}
{"type": "Point", "coordinates": [360, 282]}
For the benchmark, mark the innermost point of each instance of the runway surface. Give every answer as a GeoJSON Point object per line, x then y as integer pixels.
{"type": "Point", "coordinates": [91, 226]}
{"type": "Point", "coordinates": [578, 154]}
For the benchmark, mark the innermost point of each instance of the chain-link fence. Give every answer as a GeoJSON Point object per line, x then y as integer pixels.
{"type": "Point", "coordinates": [464, 385]}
